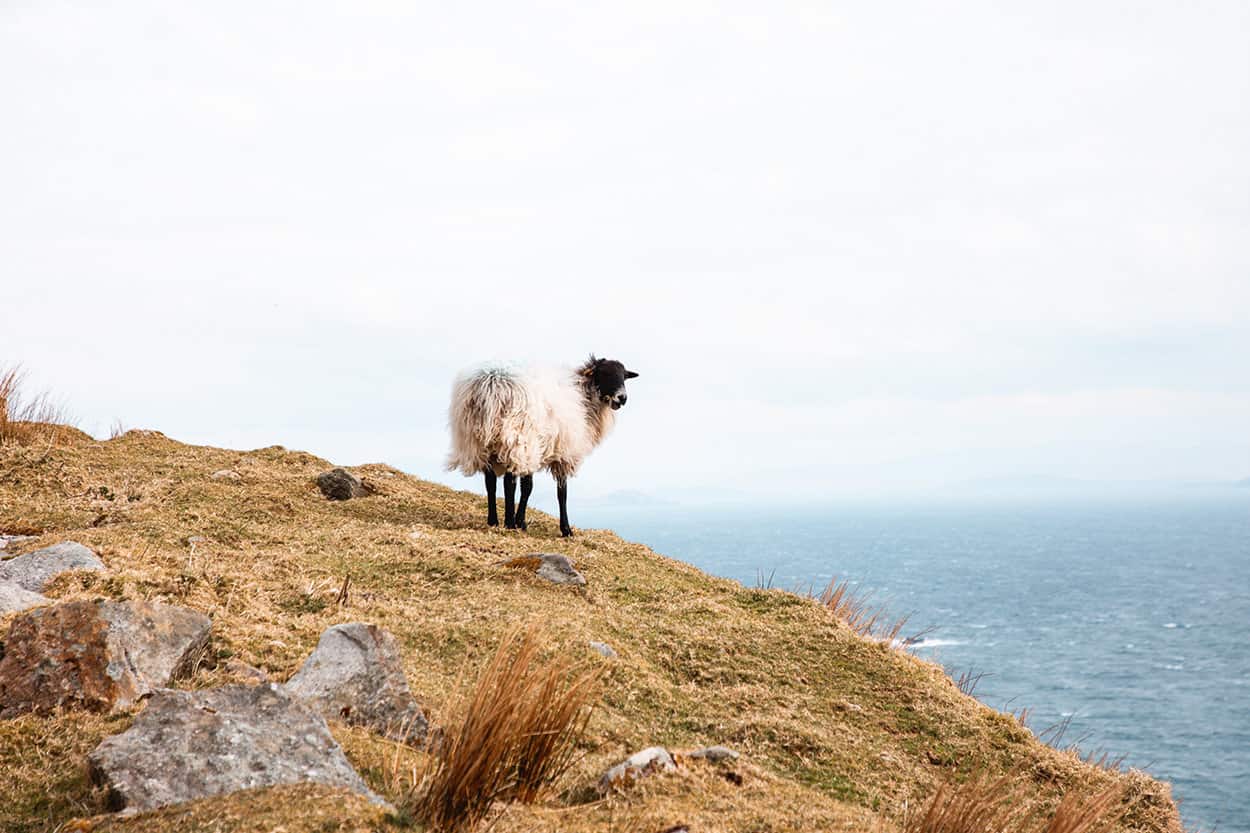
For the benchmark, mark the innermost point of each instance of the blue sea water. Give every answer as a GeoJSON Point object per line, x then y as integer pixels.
{"type": "Point", "coordinates": [1131, 617]}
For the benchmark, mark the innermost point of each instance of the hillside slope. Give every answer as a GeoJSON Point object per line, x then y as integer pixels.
{"type": "Point", "coordinates": [836, 731]}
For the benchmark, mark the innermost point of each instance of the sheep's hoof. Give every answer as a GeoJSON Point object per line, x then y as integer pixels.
{"type": "Point", "coordinates": [566, 532]}
{"type": "Point", "coordinates": [492, 522]}
{"type": "Point", "coordinates": [521, 525]}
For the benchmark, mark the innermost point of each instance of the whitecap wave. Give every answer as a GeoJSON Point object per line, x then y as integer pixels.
{"type": "Point", "coordinates": [934, 643]}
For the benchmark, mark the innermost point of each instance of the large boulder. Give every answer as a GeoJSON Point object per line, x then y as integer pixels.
{"type": "Point", "coordinates": [34, 570]}
{"type": "Point", "coordinates": [188, 745]}
{"type": "Point", "coordinates": [13, 597]}
{"type": "Point", "coordinates": [341, 484]}
{"type": "Point", "coordinates": [355, 675]}
{"type": "Point", "coordinates": [96, 655]}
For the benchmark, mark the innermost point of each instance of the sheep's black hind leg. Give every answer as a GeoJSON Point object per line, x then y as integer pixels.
{"type": "Point", "coordinates": [527, 486]}
{"type": "Point", "coordinates": [562, 494]}
{"type": "Point", "coordinates": [509, 500]}
{"type": "Point", "coordinates": [492, 514]}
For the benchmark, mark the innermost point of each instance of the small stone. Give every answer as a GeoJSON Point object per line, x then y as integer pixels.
{"type": "Point", "coordinates": [715, 754]}
{"type": "Point", "coordinates": [639, 765]}
{"type": "Point", "coordinates": [341, 484]}
{"type": "Point", "coordinates": [552, 567]}
{"type": "Point", "coordinates": [14, 598]}
{"type": "Point", "coordinates": [5, 540]}
{"type": "Point", "coordinates": [355, 675]}
{"type": "Point", "coordinates": [34, 570]}
{"type": "Point", "coordinates": [96, 655]}
{"type": "Point", "coordinates": [227, 474]}
{"type": "Point", "coordinates": [603, 648]}
{"type": "Point", "coordinates": [188, 745]}
{"type": "Point", "coordinates": [241, 670]}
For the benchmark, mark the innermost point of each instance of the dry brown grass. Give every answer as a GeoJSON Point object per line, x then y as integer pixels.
{"type": "Point", "coordinates": [26, 419]}
{"type": "Point", "coordinates": [1087, 813]}
{"type": "Point", "coordinates": [856, 609]}
{"type": "Point", "coordinates": [982, 804]}
{"type": "Point", "coordinates": [1006, 804]}
{"type": "Point", "coordinates": [514, 735]}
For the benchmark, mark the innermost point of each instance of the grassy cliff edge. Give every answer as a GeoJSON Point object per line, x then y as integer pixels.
{"type": "Point", "coordinates": [836, 731]}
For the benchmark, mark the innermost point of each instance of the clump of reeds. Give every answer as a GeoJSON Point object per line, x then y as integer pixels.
{"type": "Point", "coordinates": [1085, 813]}
{"type": "Point", "coordinates": [857, 611]}
{"type": "Point", "coordinates": [983, 804]}
{"type": "Point", "coordinates": [511, 736]}
{"type": "Point", "coordinates": [978, 805]}
{"type": "Point", "coordinates": [26, 420]}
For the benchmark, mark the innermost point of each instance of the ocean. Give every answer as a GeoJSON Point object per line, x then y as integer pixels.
{"type": "Point", "coordinates": [1128, 618]}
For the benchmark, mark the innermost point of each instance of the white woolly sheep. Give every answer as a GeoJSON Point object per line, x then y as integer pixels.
{"type": "Point", "coordinates": [513, 420]}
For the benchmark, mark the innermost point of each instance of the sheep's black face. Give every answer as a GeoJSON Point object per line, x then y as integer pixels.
{"type": "Point", "coordinates": [607, 380]}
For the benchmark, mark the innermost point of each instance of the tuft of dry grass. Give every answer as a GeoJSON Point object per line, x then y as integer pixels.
{"type": "Point", "coordinates": [1086, 813]}
{"type": "Point", "coordinates": [968, 681]}
{"type": "Point", "coordinates": [858, 612]}
{"type": "Point", "coordinates": [25, 420]}
{"type": "Point", "coordinates": [1003, 804]}
{"type": "Point", "coordinates": [979, 805]}
{"type": "Point", "coordinates": [513, 737]}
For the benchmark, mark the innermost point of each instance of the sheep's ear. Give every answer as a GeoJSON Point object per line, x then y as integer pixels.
{"type": "Point", "coordinates": [629, 374]}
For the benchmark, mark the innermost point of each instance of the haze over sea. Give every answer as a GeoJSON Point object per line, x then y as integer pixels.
{"type": "Point", "coordinates": [1130, 616]}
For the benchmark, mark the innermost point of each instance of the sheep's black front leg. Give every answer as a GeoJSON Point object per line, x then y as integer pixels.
{"type": "Point", "coordinates": [527, 486]}
{"type": "Point", "coordinates": [509, 500]}
{"type": "Point", "coordinates": [492, 514]}
{"type": "Point", "coordinates": [562, 494]}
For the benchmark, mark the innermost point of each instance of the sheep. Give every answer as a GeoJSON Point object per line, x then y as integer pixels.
{"type": "Point", "coordinates": [514, 420]}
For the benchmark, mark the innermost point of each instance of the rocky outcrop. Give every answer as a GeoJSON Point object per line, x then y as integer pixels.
{"type": "Point", "coordinates": [188, 745]}
{"type": "Point", "coordinates": [341, 484]}
{"type": "Point", "coordinates": [227, 474]}
{"type": "Point", "coordinates": [14, 598]}
{"type": "Point", "coordinates": [603, 648]}
{"type": "Point", "coordinates": [34, 570]}
{"type": "Point", "coordinates": [550, 566]}
{"type": "Point", "coordinates": [6, 540]}
{"type": "Point", "coordinates": [96, 655]}
{"type": "Point", "coordinates": [355, 675]}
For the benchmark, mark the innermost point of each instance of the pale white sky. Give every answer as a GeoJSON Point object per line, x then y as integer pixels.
{"type": "Point", "coordinates": [849, 248]}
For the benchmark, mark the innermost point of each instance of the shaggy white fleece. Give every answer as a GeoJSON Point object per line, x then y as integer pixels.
{"type": "Point", "coordinates": [519, 419]}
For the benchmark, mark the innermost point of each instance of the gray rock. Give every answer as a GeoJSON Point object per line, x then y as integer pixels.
{"type": "Point", "coordinates": [603, 648]}
{"type": "Point", "coordinates": [341, 484]}
{"type": "Point", "coordinates": [14, 598]}
{"type": "Point", "coordinates": [639, 765]}
{"type": "Point", "coordinates": [552, 567]}
{"type": "Point", "coordinates": [227, 474]}
{"type": "Point", "coordinates": [560, 569]}
{"type": "Point", "coordinates": [355, 675]}
{"type": "Point", "coordinates": [96, 655]}
{"type": "Point", "coordinates": [242, 670]}
{"type": "Point", "coordinates": [34, 570]}
{"type": "Point", "coordinates": [188, 745]}
{"type": "Point", "coordinates": [715, 754]}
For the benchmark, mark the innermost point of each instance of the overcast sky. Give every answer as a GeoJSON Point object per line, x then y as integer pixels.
{"type": "Point", "coordinates": [852, 248]}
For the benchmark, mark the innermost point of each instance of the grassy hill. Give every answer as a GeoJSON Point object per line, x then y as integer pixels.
{"type": "Point", "coordinates": [836, 731]}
